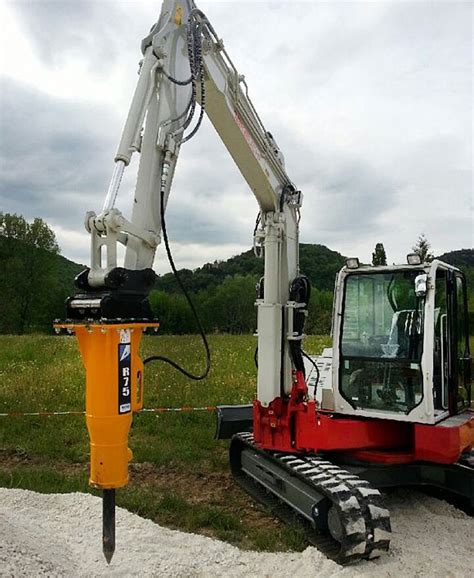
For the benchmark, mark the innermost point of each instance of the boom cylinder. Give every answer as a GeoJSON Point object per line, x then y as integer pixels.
{"type": "Point", "coordinates": [270, 317]}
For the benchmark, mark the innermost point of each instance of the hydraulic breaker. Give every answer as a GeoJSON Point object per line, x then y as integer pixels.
{"type": "Point", "coordinates": [114, 390]}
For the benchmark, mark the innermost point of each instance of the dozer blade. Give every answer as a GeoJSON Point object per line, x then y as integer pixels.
{"type": "Point", "coordinates": [342, 515]}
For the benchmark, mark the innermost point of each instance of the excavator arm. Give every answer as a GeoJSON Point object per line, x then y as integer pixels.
{"type": "Point", "coordinates": [185, 67]}
{"type": "Point", "coordinates": [185, 73]}
{"type": "Point", "coordinates": [301, 458]}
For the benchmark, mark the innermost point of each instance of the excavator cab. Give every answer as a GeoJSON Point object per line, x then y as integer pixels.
{"type": "Point", "coordinates": [402, 342]}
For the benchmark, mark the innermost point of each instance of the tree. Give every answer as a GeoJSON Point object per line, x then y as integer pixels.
{"type": "Point", "coordinates": [36, 234]}
{"type": "Point", "coordinates": [231, 307]}
{"type": "Point", "coordinates": [173, 312]}
{"type": "Point", "coordinates": [319, 312]}
{"type": "Point", "coordinates": [28, 284]}
{"type": "Point", "coordinates": [422, 248]}
{"type": "Point", "coordinates": [378, 256]}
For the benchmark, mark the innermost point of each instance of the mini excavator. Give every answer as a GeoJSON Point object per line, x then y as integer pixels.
{"type": "Point", "coordinates": [388, 405]}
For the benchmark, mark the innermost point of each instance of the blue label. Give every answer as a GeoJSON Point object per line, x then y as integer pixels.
{"type": "Point", "coordinates": [125, 377]}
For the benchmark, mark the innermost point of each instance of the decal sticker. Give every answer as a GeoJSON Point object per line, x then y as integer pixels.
{"type": "Point", "coordinates": [248, 137]}
{"type": "Point", "coordinates": [125, 372]}
{"type": "Point", "coordinates": [125, 336]}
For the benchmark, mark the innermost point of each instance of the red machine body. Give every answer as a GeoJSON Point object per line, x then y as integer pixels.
{"type": "Point", "coordinates": [295, 425]}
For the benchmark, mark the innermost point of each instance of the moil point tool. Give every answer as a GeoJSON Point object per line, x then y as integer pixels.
{"type": "Point", "coordinates": [108, 524]}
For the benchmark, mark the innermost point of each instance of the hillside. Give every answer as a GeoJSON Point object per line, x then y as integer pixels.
{"type": "Point", "coordinates": [33, 292]}
{"type": "Point", "coordinates": [463, 258]}
{"type": "Point", "coordinates": [65, 269]}
{"type": "Point", "coordinates": [318, 262]}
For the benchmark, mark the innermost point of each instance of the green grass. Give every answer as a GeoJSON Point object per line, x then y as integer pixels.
{"type": "Point", "coordinates": [42, 478]}
{"type": "Point", "coordinates": [39, 373]}
{"type": "Point", "coordinates": [180, 474]}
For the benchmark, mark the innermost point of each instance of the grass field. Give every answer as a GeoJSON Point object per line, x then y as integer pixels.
{"type": "Point", "coordinates": [179, 474]}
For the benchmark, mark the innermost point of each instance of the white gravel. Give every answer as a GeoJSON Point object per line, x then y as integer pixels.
{"type": "Point", "coordinates": [60, 535]}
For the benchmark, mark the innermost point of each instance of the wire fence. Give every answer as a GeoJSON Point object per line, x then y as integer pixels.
{"type": "Point", "coordinates": [184, 409]}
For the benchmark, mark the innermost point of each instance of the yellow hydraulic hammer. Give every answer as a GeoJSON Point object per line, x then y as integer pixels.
{"type": "Point", "coordinates": [114, 390]}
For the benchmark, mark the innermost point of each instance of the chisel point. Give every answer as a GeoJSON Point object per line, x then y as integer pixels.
{"type": "Point", "coordinates": [108, 524]}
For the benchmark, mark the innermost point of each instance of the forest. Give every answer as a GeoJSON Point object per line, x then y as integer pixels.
{"type": "Point", "coordinates": [36, 280]}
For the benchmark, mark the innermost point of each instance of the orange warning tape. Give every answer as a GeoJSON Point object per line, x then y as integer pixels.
{"type": "Point", "coordinates": [184, 409]}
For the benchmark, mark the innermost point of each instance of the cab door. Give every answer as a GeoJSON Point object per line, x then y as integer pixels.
{"type": "Point", "coordinates": [452, 360]}
{"type": "Point", "coordinates": [441, 349]}
{"type": "Point", "coordinates": [460, 390]}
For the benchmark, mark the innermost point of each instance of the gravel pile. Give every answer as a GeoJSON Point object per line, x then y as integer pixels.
{"type": "Point", "coordinates": [60, 535]}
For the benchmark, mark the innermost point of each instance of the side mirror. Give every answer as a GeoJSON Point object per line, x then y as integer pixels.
{"type": "Point", "coordinates": [421, 283]}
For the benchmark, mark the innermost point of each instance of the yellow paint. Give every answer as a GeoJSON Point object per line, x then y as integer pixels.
{"type": "Point", "coordinates": [178, 15]}
{"type": "Point", "coordinates": [108, 430]}
{"type": "Point", "coordinates": [466, 435]}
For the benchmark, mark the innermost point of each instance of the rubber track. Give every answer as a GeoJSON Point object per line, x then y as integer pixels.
{"type": "Point", "coordinates": [365, 522]}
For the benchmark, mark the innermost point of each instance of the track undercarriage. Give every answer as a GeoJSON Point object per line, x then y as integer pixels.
{"type": "Point", "coordinates": [342, 513]}
{"type": "Point", "coordinates": [339, 507]}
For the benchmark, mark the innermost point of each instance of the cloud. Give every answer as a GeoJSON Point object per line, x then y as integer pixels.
{"type": "Point", "coordinates": [56, 160]}
{"type": "Point", "coordinates": [193, 255]}
{"type": "Point", "coordinates": [55, 155]}
{"type": "Point", "coordinates": [371, 104]}
{"type": "Point", "coordinates": [61, 30]}
{"type": "Point", "coordinates": [345, 195]}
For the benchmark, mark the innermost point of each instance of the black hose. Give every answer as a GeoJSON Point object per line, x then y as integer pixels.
{"type": "Point", "coordinates": [197, 75]}
{"type": "Point", "coordinates": [176, 81]}
{"type": "Point", "coordinates": [190, 303]}
{"type": "Point", "coordinates": [300, 292]}
{"type": "Point", "coordinates": [314, 364]}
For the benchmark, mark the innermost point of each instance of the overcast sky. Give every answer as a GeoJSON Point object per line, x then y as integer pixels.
{"type": "Point", "coordinates": [370, 102]}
